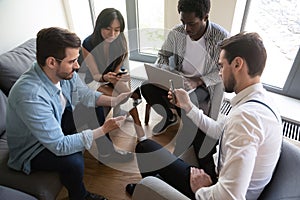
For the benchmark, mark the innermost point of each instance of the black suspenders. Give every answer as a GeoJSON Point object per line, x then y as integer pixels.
{"type": "Point", "coordinates": [220, 140]}
{"type": "Point", "coordinates": [254, 100]}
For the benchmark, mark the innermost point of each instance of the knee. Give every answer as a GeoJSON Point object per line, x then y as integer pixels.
{"type": "Point", "coordinates": [74, 163]}
{"type": "Point", "coordinates": [146, 146]}
{"type": "Point", "coordinates": [145, 88]}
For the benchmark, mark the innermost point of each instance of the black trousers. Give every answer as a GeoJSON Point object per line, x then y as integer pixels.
{"type": "Point", "coordinates": [155, 95]}
{"type": "Point", "coordinates": [154, 160]}
{"type": "Point", "coordinates": [189, 134]}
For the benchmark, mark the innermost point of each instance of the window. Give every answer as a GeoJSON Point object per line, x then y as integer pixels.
{"type": "Point", "coordinates": [144, 30]}
{"type": "Point", "coordinates": [147, 23]}
{"type": "Point", "coordinates": [147, 28]}
{"type": "Point", "coordinates": [99, 5]}
{"type": "Point", "coordinates": [278, 23]}
{"type": "Point", "coordinates": [79, 17]}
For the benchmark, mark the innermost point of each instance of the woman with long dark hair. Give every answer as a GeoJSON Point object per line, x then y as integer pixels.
{"type": "Point", "coordinates": [105, 54]}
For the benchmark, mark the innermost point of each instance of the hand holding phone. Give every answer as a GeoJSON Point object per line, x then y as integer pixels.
{"type": "Point", "coordinates": [172, 90]}
{"type": "Point", "coordinates": [122, 71]}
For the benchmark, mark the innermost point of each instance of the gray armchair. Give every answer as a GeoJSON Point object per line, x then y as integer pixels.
{"type": "Point", "coordinates": [14, 184]}
{"type": "Point", "coordinates": [9, 194]}
{"type": "Point", "coordinates": [283, 185]}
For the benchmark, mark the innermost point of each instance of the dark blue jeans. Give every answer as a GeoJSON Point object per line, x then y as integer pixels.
{"type": "Point", "coordinates": [69, 167]}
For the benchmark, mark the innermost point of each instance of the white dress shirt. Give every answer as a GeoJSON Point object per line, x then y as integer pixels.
{"type": "Point", "coordinates": [250, 145]}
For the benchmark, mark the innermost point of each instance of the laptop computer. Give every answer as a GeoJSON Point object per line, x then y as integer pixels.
{"type": "Point", "coordinates": [161, 77]}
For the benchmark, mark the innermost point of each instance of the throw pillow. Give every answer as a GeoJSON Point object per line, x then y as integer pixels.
{"type": "Point", "coordinates": [15, 62]}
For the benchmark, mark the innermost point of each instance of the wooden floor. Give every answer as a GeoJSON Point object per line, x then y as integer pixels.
{"type": "Point", "coordinates": [110, 181]}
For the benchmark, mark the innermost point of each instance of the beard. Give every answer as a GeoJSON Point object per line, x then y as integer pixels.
{"type": "Point", "coordinates": [65, 75]}
{"type": "Point", "coordinates": [229, 84]}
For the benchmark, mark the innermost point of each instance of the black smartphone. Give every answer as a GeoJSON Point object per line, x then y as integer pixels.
{"type": "Point", "coordinates": [122, 71]}
{"type": "Point", "coordinates": [172, 89]}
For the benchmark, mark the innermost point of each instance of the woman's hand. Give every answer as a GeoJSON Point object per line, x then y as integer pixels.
{"type": "Point", "coordinates": [199, 179]}
{"type": "Point", "coordinates": [123, 77]}
{"type": "Point", "coordinates": [110, 77]}
{"type": "Point", "coordinates": [182, 99]}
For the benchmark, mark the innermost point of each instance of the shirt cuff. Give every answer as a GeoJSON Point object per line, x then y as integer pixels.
{"type": "Point", "coordinates": [87, 138]}
{"type": "Point", "coordinates": [194, 112]}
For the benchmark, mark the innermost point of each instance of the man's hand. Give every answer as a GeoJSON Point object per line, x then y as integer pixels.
{"type": "Point", "coordinates": [121, 98]}
{"type": "Point", "coordinates": [199, 179]}
{"type": "Point", "coordinates": [192, 83]}
{"type": "Point", "coordinates": [182, 99]}
{"type": "Point", "coordinates": [113, 123]}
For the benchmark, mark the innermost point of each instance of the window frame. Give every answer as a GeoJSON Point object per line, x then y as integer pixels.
{"type": "Point", "coordinates": [133, 34]}
{"type": "Point", "coordinates": [291, 85]}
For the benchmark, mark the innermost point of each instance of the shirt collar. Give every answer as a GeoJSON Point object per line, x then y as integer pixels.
{"type": "Point", "coordinates": [246, 94]}
{"type": "Point", "coordinates": [49, 86]}
{"type": "Point", "coordinates": [207, 34]}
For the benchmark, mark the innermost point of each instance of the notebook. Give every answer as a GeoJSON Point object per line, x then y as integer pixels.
{"type": "Point", "coordinates": [161, 77]}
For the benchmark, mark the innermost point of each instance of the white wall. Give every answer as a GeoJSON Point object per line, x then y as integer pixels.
{"type": "Point", "coordinates": [222, 12]}
{"type": "Point", "coordinates": [22, 19]}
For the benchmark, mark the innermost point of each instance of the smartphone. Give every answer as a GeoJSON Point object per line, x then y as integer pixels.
{"type": "Point", "coordinates": [172, 89]}
{"type": "Point", "coordinates": [121, 72]}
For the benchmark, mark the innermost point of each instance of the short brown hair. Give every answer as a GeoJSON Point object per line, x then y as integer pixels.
{"type": "Point", "coordinates": [248, 46]}
{"type": "Point", "coordinates": [53, 41]}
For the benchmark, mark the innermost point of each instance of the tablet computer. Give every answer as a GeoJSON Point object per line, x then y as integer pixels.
{"type": "Point", "coordinates": [161, 77]}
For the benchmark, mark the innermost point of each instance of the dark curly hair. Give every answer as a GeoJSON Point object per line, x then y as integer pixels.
{"type": "Point", "coordinates": [200, 7]}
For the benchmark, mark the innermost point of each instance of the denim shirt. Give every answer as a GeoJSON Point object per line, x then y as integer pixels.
{"type": "Point", "coordinates": [34, 113]}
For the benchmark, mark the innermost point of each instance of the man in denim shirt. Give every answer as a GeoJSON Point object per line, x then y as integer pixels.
{"type": "Point", "coordinates": [36, 104]}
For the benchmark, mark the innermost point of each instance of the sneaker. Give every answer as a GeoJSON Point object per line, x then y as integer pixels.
{"type": "Point", "coordinates": [136, 102]}
{"type": "Point", "coordinates": [163, 125]}
{"type": "Point", "coordinates": [117, 156]}
{"type": "Point", "coordinates": [92, 196]}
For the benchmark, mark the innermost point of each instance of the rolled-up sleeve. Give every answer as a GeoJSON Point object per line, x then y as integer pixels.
{"type": "Point", "coordinates": [82, 93]}
{"type": "Point", "coordinates": [39, 117]}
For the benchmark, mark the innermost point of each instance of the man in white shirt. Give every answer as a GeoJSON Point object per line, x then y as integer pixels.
{"type": "Point", "coordinates": [250, 137]}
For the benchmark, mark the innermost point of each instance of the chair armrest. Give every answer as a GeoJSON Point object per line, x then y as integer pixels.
{"type": "Point", "coordinates": [9, 193]}
{"type": "Point", "coordinates": [150, 188]}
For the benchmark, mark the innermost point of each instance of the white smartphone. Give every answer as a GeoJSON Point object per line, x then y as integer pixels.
{"type": "Point", "coordinates": [172, 89]}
